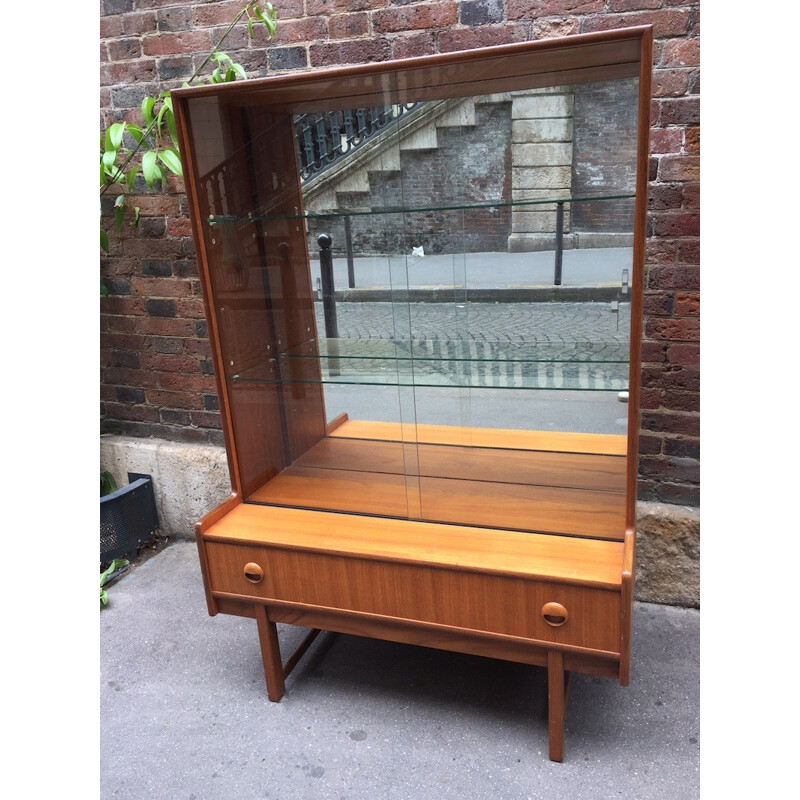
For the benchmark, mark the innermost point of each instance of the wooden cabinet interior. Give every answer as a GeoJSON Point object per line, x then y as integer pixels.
{"type": "Point", "coordinates": [446, 463]}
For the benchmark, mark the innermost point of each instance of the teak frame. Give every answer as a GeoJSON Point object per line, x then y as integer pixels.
{"type": "Point", "coordinates": [475, 590]}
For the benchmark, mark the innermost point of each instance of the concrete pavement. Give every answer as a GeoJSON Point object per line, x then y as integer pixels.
{"type": "Point", "coordinates": [184, 712]}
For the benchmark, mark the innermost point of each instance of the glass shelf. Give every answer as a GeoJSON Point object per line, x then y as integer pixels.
{"type": "Point", "coordinates": [565, 366]}
{"type": "Point", "coordinates": [360, 211]}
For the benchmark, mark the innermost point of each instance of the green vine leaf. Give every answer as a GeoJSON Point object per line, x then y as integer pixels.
{"type": "Point", "coordinates": [149, 167]}
{"type": "Point", "coordinates": [170, 158]}
{"type": "Point", "coordinates": [104, 241]}
{"type": "Point", "coordinates": [148, 104]}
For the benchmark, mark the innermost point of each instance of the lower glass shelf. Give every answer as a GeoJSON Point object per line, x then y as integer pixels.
{"type": "Point", "coordinates": [581, 366]}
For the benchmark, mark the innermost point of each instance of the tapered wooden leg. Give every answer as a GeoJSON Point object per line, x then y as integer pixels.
{"type": "Point", "coordinates": [556, 701]}
{"type": "Point", "coordinates": [270, 654]}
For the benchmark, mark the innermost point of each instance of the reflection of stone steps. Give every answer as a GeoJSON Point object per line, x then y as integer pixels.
{"type": "Point", "coordinates": [414, 131]}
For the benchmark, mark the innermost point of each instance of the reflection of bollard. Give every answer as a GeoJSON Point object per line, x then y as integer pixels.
{"type": "Point", "coordinates": [559, 240]}
{"type": "Point", "coordinates": [348, 246]}
{"type": "Point", "coordinates": [328, 299]}
{"type": "Point", "coordinates": [329, 305]}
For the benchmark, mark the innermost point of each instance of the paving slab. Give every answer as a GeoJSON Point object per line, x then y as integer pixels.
{"type": "Point", "coordinates": [184, 712]}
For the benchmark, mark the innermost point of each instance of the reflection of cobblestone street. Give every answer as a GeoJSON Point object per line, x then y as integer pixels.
{"type": "Point", "coordinates": [496, 322]}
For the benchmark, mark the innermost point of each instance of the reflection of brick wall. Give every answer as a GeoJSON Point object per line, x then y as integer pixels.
{"type": "Point", "coordinates": [468, 165]}
{"type": "Point", "coordinates": [604, 154]}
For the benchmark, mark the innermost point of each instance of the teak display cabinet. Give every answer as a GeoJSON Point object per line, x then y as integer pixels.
{"type": "Point", "coordinates": [434, 449]}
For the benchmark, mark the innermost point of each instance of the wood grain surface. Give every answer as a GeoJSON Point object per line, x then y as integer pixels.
{"type": "Point", "coordinates": [559, 558]}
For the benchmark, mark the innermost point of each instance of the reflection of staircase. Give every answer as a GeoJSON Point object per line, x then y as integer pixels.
{"type": "Point", "coordinates": [517, 146]}
{"type": "Point", "coordinates": [416, 130]}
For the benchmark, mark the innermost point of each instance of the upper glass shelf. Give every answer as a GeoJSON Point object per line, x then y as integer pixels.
{"type": "Point", "coordinates": [565, 366]}
{"type": "Point", "coordinates": [464, 206]}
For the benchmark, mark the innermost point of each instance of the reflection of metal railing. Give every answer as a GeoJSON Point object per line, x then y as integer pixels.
{"type": "Point", "coordinates": [322, 139]}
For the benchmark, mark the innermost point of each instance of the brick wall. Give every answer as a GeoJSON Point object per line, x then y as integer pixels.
{"type": "Point", "coordinates": [156, 371]}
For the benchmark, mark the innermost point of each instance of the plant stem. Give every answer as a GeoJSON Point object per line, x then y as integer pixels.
{"type": "Point", "coordinates": [121, 170]}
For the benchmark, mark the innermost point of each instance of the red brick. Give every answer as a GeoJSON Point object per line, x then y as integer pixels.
{"type": "Point", "coordinates": [141, 71]}
{"type": "Point", "coordinates": [691, 195]}
{"type": "Point", "coordinates": [679, 111]}
{"type": "Point", "coordinates": [355, 52]}
{"type": "Point", "coordinates": [482, 36]}
{"type": "Point", "coordinates": [670, 82]}
{"type": "Point", "coordinates": [689, 253]}
{"type": "Point", "coordinates": [413, 44]}
{"type": "Point", "coordinates": [143, 248]}
{"type": "Point", "coordinates": [186, 382]}
{"type": "Point", "coordinates": [165, 362]}
{"type": "Point", "coordinates": [681, 52]}
{"type": "Point", "coordinates": [196, 347]}
{"type": "Point", "coordinates": [671, 422]}
{"type": "Point", "coordinates": [124, 341]}
{"type": "Point", "coordinates": [650, 445]}
{"type": "Point", "coordinates": [110, 26]}
{"type": "Point", "coordinates": [665, 196]}
{"type": "Point", "coordinates": [661, 251]}
{"type": "Point", "coordinates": [415, 17]}
{"type": "Point", "coordinates": [161, 287]}
{"type": "Point", "coordinates": [687, 303]}
{"type": "Point", "coordinates": [684, 354]}
{"type": "Point", "coordinates": [681, 401]}
{"type": "Point", "coordinates": [551, 28]}
{"type": "Point", "coordinates": [166, 44]}
{"type": "Point", "coordinates": [528, 9]}
{"type": "Point", "coordinates": [192, 309]}
{"type": "Point", "coordinates": [654, 352]}
{"type": "Point", "coordinates": [315, 8]}
{"type": "Point", "coordinates": [680, 446]}
{"type": "Point", "coordinates": [167, 399]}
{"type": "Point", "coordinates": [692, 140]}
{"type": "Point", "coordinates": [682, 223]}
{"type": "Point", "coordinates": [207, 419]}
{"type": "Point", "coordinates": [122, 305]}
{"type": "Point", "coordinates": [650, 398]}
{"type": "Point", "coordinates": [139, 413]}
{"type": "Point", "coordinates": [122, 376]}
{"type": "Point", "coordinates": [211, 14]}
{"type": "Point", "coordinates": [658, 304]}
{"type": "Point", "coordinates": [665, 22]}
{"type": "Point", "coordinates": [679, 168]}
{"type": "Point", "coordinates": [346, 26]}
{"type": "Point", "coordinates": [683, 469]}
{"type": "Point", "coordinates": [180, 226]}
{"type": "Point", "coordinates": [682, 378]}
{"type": "Point", "coordinates": [165, 326]}
{"type": "Point", "coordinates": [156, 205]}
{"type": "Point", "coordinates": [673, 277]}
{"type": "Point", "coordinates": [666, 140]}
{"type": "Point", "coordinates": [633, 5]}
{"type": "Point", "coordinates": [300, 30]}
{"type": "Point", "coordinates": [139, 23]}
{"type": "Point", "coordinates": [681, 330]}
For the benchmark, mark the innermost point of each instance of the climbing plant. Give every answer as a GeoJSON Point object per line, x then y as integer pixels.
{"type": "Point", "coordinates": [151, 149]}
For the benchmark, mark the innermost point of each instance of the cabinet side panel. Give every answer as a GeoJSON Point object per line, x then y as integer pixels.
{"type": "Point", "coordinates": [276, 198]}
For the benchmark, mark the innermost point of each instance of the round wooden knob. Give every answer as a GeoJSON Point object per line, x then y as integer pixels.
{"type": "Point", "coordinates": [253, 572]}
{"type": "Point", "coordinates": [554, 614]}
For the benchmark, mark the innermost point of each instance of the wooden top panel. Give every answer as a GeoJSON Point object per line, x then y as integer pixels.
{"type": "Point", "coordinates": [528, 555]}
{"type": "Point", "coordinates": [593, 56]}
{"type": "Point", "coordinates": [552, 441]}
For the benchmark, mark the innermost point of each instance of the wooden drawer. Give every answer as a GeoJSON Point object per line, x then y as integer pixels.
{"type": "Point", "coordinates": [471, 600]}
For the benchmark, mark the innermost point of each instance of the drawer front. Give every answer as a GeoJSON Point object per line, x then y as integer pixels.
{"type": "Point", "coordinates": [550, 612]}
